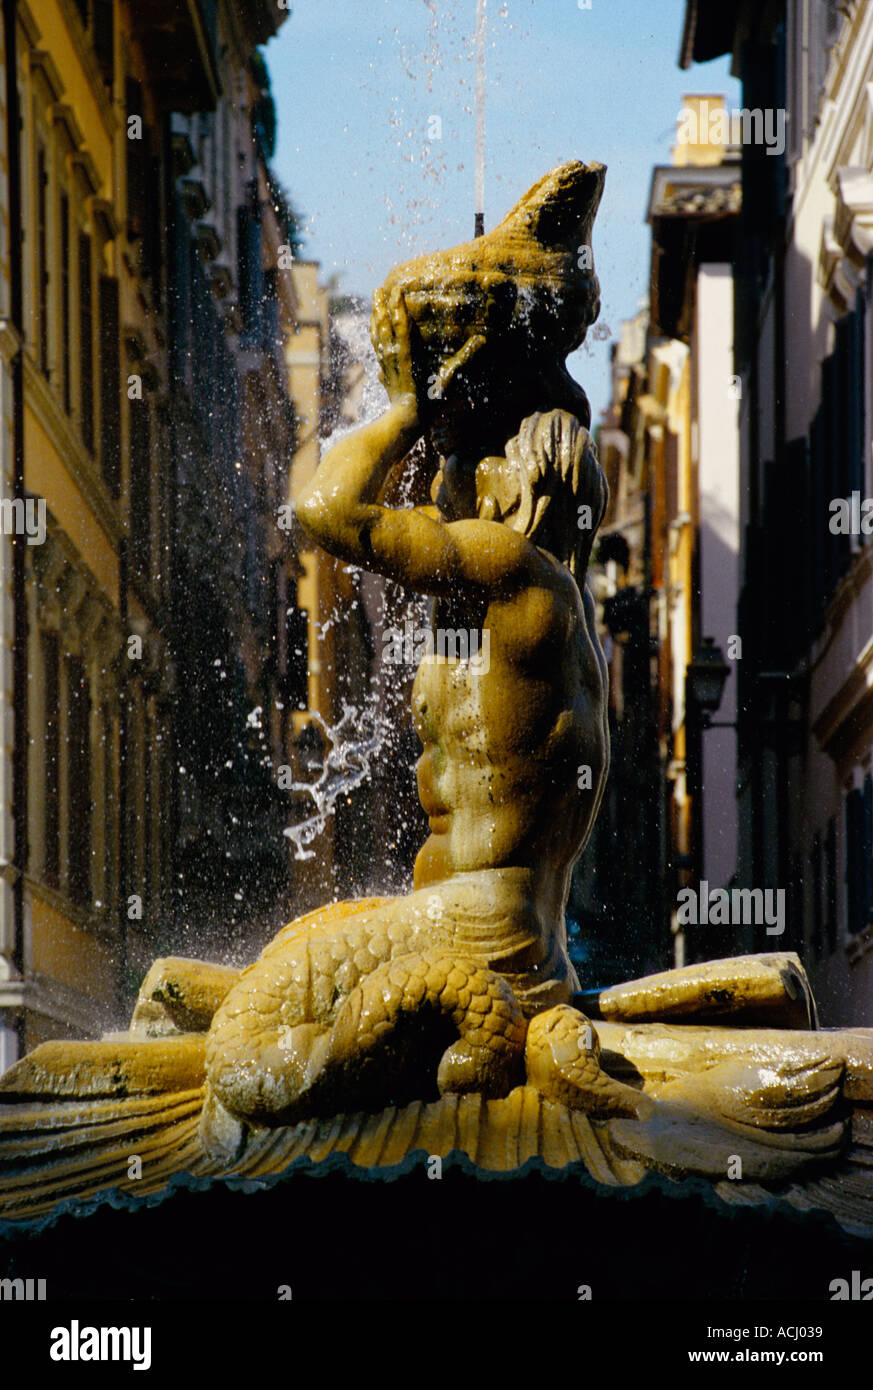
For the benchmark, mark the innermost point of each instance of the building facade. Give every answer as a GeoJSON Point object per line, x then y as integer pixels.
{"type": "Point", "coordinates": [803, 355]}
{"type": "Point", "coordinates": [155, 666]}
{"type": "Point", "coordinates": [667, 573]}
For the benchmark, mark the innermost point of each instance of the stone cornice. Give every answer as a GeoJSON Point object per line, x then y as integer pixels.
{"type": "Point", "coordinates": [848, 75]}
{"type": "Point", "coordinates": [39, 60]}
{"type": "Point", "coordinates": [50, 999]}
{"type": "Point", "coordinates": [103, 214]}
{"type": "Point", "coordinates": [832, 269]}
{"type": "Point", "coordinates": [64, 116]}
{"type": "Point", "coordinates": [844, 109]}
{"type": "Point", "coordinates": [77, 462]}
{"type": "Point", "coordinates": [847, 715]}
{"type": "Point", "coordinates": [28, 23]}
{"type": "Point", "coordinates": [847, 237]}
{"type": "Point", "coordinates": [80, 916]}
{"type": "Point", "coordinates": [80, 162]}
{"type": "Point", "coordinates": [853, 224]}
{"type": "Point", "coordinates": [70, 602]}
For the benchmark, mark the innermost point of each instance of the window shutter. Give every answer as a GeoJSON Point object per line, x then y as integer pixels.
{"type": "Point", "coordinates": [42, 261]}
{"type": "Point", "coordinates": [52, 755]}
{"type": "Point", "coordinates": [110, 385]}
{"type": "Point", "coordinates": [855, 859]}
{"type": "Point", "coordinates": [136, 163]}
{"type": "Point", "coordinates": [152, 245]}
{"type": "Point", "coordinates": [831, 883]}
{"type": "Point", "coordinates": [108, 736]}
{"type": "Point", "coordinates": [179, 274]}
{"type": "Point", "coordinates": [821, 536]}
{"type": "Point", "coordinates": [250, 273]}
{"type": "Point", "coordinates": [79, 781]}
{"type": "Point", "coordinates": [836, 469]}
{"type": "Point", "coordinates": [66, 319]}
{"type": "Point", "coordinates": [817, 920]}
{"type": "Point", "coordinates": [855, 395]}
{"type": "Point", "coordinates": [847, 440]}
{"type": "Point", "coordinates": [103, 38]}
{"type": "Point", "coordinates": [140, 491]}
{"type": "Point", "coordinates": [296, 686]}
{"type": "Point", "coordinates": [86, 343]}
{"type": "Point", "coordinates": [866, 854]}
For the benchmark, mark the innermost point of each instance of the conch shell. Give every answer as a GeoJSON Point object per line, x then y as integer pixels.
{"type": "Point", "coordinates": [528, 287]}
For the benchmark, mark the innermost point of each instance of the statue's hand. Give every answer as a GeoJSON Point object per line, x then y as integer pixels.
{"type": "Point", "coordinates": [453, 369]}
{"type": "Point", "coordinates": [390, 331]}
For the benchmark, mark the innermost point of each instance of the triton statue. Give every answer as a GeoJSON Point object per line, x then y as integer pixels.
{"type": "Point", "coordinates": [451, 1018]}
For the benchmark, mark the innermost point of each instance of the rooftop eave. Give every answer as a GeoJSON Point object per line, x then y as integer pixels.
{"type": "Point", "coordinates": [261, 19]}
{"type": "Point", "coordinates": [708, 31]}
{"type": "Point", "coordinates": [178, 44]}
{"type": "Point", "coordinates": [713, 29]}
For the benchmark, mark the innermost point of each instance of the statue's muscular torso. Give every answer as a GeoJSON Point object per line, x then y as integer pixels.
{"type": "Point", "coordinates": [504, 739]}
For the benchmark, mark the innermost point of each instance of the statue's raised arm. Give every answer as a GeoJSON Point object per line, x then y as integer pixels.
{"type": "Point", "coordinates": [471, 345]}
{"type": "Point", "coordinates": [341, 508]}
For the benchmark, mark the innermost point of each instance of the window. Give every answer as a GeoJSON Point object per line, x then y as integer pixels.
{"type": "Point", "coordinates": [831, 884]}
{"type": "Point", "coordinates": [145, 223]}
{"type": "Point", "coordinates": [130, 864]}
{"type": "Point", "coordinates": [110, 385]}
{"type": "Point", "coordinates": [817, 941]}
{"type": "Point", "coordinates": [98, 21]}
{"type": "Point", "coordinates": [103, 34]}
{"type": "Point", "coordinates": [249, 269]}
{"type": "Point", "coordinates": [837, 452]}
{"type": "Point", "coordinates": [225, 167]}
{"type": "Point", "coordinates": [66, 316]}
{"type": "Point", "coordinates": [107, 735]}
{"type": "Point", "coordinates": [296, 685]}
{"type": "Point", "coordinates": [153, 234]}
{"type": "Point", "coordinates": [794, 904]}
{"type": "Point", "coordinates": [148, 806]}
{"type": "Point", "coordinates": [140, 478]}
{"type": "Point", "coordinates": [866, 875]}
{"type": "Point", "coordinates": [253, 562]}
{"type": "Point", "coordinates": [824, 26]}
{"type": "Point", "coordinates": [155, 785]}
{"type": "Point", "coordinates": [79, 781]}
{"type": "Point", "coordinates": [796, 54]}
{"type": "Point", "coordinates": [850, 371]}
{"type": "Point", "coordinates": [86, 344]}
{"type": "Point", "coordinates": [854, 807]}
{"type": "Point", "coordinates": [42, 265]}
{"type": "Point", "coordinates": [52, 753]}
{"type": "Point", "coordinates": [136, 163]}
{"type": "Point", "coordinates": [859, 853]}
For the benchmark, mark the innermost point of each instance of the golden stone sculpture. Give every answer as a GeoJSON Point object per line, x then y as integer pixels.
{"type": "Point", "coordinates": [447, 1019]}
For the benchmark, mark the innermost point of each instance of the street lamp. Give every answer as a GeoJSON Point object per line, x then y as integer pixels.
{"type": "Point", "coordinates": [705, 678]}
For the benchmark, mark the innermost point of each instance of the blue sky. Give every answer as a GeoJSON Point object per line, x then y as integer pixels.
{"type": "Point", "coordinates": [357, 82]}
